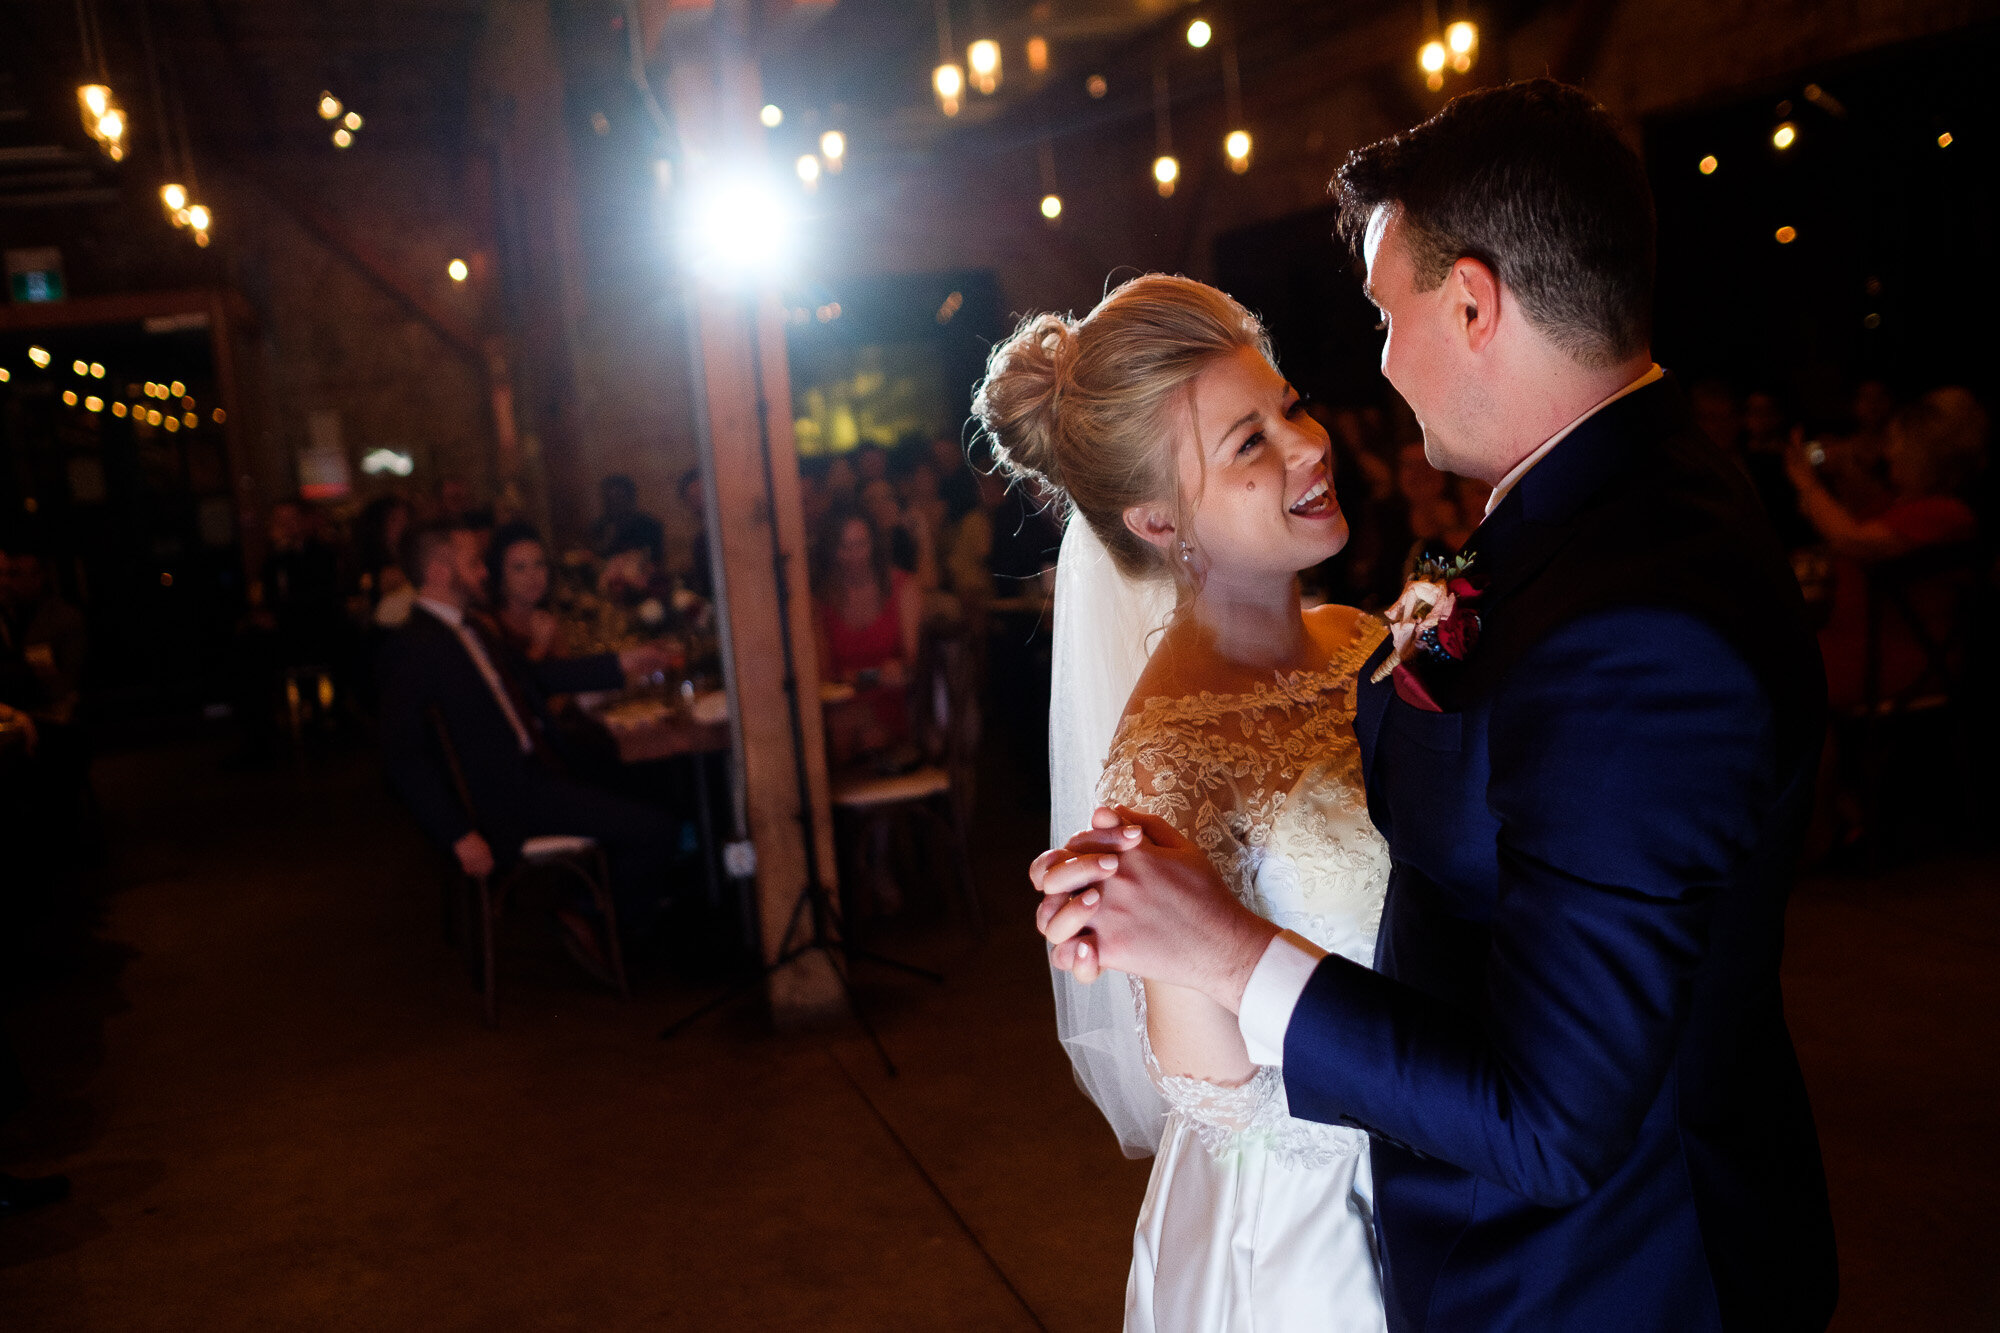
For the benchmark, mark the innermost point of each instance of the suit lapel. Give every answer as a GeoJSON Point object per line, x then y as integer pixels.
{"type": "Point", "coordinates": [1371, 702]}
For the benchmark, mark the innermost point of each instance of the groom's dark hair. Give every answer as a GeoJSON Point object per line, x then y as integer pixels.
{"type": "Point", "coordinates": [1533, 180]}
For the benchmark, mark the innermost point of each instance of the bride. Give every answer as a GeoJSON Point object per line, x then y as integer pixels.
{"type": "Point", "coordinates": [1198, 488]}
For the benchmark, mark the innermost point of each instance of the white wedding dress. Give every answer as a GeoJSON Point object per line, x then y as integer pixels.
{"type": "Point", "coordinates": [1254, 1220]}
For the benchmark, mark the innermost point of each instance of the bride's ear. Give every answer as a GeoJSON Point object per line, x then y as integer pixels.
{"type": "Point", "coordinates": [1150, 523]}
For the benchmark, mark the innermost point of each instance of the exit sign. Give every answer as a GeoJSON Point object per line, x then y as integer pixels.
{"type": "Point", "coordinates": [35, 276]}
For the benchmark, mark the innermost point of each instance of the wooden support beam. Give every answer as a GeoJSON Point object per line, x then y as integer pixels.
{"type": "Point", "coordinates": [759, 544]}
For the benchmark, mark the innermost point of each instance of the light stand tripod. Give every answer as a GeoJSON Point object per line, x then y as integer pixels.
{"type": "Point", "coordinates": [827, 933]}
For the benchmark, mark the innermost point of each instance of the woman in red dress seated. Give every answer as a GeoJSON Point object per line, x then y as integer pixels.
{"type": "Point", "coordinates": [867, 615]}
{"type": "Point", "coordinates": [1937, 446]}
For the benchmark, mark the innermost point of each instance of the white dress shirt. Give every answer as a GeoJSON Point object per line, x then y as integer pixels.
{"type": "Point", "coordinates": [476, 650]}
{"type": "Point", "coordinates": [1280, 976]}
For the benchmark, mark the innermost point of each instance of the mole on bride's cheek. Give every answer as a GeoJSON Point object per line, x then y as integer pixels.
{"type": "Point", "coordinates": [1249, 485]}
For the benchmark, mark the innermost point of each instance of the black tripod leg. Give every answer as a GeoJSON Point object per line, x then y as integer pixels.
{"type": "Point", "coordinates": [688, 1020]}
{"type": "Point", "coordinates": [861, 1020]}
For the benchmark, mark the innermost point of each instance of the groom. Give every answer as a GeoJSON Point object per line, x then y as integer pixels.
{"type": "Point", "coordinates": [1572, 1055]}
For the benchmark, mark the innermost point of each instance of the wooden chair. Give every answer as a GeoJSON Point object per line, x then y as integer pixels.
{"type": "Point", "coordinates": [571, 855]}
{"type": "Point", "coordinates": [946, 700]}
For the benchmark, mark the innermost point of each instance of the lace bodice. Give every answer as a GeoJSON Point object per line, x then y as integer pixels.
{"type": "Point", "coordinates": [1268, 783]}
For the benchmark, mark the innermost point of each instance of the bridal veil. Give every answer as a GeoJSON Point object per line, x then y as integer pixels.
{"type": "Point", "coordinates": [1105, 626]}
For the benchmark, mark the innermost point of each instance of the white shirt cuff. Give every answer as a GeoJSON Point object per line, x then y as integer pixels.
{"type": "Point", "coordinates": [1275, 986]}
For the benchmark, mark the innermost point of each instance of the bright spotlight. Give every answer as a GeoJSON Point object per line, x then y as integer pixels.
{"type": "Point", "coordinates": [1198, 33]}
{"type": "Point", "coordinates": [772, 115]}
{"type": "Point", "coordinates": [739, 230]}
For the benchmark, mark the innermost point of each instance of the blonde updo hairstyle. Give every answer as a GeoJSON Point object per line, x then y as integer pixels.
{"type": "Point", "coordinates": [1088, 406]}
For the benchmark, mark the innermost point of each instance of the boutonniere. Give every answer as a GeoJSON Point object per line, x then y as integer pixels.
{"type": "Point", "coordinates": [1437, 615]}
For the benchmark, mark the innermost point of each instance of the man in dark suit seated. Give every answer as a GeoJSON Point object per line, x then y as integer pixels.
{"type": "Point", "coordinates": [446, 664]}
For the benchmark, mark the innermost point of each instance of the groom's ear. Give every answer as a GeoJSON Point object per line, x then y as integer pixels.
{"type": "Point", "coordinates": [1475, 298]}
{"type": "Point", "coordinates": [1150, 523]}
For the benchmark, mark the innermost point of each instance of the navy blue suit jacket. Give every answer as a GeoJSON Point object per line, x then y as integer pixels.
{"type": "Point", "coordinates": [1572, 1053]}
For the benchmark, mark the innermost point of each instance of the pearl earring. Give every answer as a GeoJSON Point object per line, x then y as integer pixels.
{"type": "Point", "coordinates": [1187, 553]}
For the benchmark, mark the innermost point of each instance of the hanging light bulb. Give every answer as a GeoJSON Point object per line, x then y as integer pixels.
{"type": "Point", "coordinates": [1462, 38]}
{"type": "Point", "coordinates": [948, 81]}
{"type": "Point", "coordinates": [1052, 206]}
{"type": "Point", "coordinates": [771, 116]}
{"type": "Point", "coordinates": [1166, 171]}
{"type": "Point", "coordinates": [111, 132]}
{"type": "Point", "coordinates": [198, 216]}
{"type": "Point", "coordinates": [329, 107]}
{"type": "Point", "coordinates": [808, 168]}
{"type": "Point", "coordinates": [40, 356]}
{"type": "Point", "coordinates": [1198, 33]}
{"type": "Point", "coordinates": [342, 137]}
{"type": "Point", "coordinates": [175, 197]}
{"type": "Point", "coordinates": [1431, 60]}
{"type": "Point", "coordinates": [95, 99]}
{"type": "Point", "coordinates": [1237, 147]}
{"type": "Point", "coordinates": [457, 270]}
{"type": "Point", "coordinates": [982, 61]}
{"type": "Point", "coordinates": [1038, 55]}
{"type": "Point", "coordinates": [833, 147]}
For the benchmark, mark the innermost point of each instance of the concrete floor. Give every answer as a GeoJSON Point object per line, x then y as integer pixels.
{"type": "Point", "coordinates": [266, 1074]}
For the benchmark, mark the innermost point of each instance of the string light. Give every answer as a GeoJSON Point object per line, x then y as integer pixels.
{"type": "Point", "coordinates": [771, 116]}
{"type": "Point", "coordinates": [93, 404]}
{"type": "Point", "coordinates": [175, 199]}
{"type": "Point", "coordinates": [808, 168]}
{"type": "Point", "coordinates": [833, 147]}
{"type": "Point", "coordinates": [1785, 135]}
{"type": "Point", "coordinates": [198, 217]}
{"type": "Point", "coordinates": [1198, 33]}
{"type": "Point", "coordinates": [457, 269]}
{"type": "Point", "coordinates": [1431, 60]}
{"type": "Point", "coordinates": [982, 63]}
{"type": "Point", "coordinates": [118, 409]}
{"type": "Point", "coordinates": [97, 370]}
{"type": "Point", "coordinates": [1052, 206]}
{"type": "Point", "coordinates": [5, 374]}
{"type": "Point", "coordinates": [69, 397]}
{"type": "Point", "coordinates": [341, 138]}
{"type": "Point", "coordinates": [1038, 54]}
{"type": "Point", "coordinates": [1463, 39]}
{"type": "Point", "coordinates": [1166, 170]}
{"type": "Point", "coordinates": [1786, 235]}
{"type": "Point", "coordinates": [1708, 165]}
{"type": "Point", "coordinates": [329, 107]}
{"type": "Point", "coordinates": [1944, 140]}
{"type": "Point", "coordinates": [178, 389]}
{"type": "Point", "coordinates": [352, 120]}
{"type": "Point", "coordinates": [218, 416]}
{"type": "Point", "coordinates": [1237, 147]}
{"type": "Point", "coordinates": [103, 118]}
{"type": "Point", "coordinates": [1096, 86]}
{"type": "Point", "coordinates": [80, 367]}
{"type": "Point", "coordinates": [40, 357]}
{"type": "Point", "coordinates": [948, 81]}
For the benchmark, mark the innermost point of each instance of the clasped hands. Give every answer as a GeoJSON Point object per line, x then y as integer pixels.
{"type": "Point", "coordinates": [1131, 894]}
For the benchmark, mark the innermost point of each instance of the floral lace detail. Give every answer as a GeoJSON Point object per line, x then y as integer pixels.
{"type": "Point", "coordinates": [1267, 783]}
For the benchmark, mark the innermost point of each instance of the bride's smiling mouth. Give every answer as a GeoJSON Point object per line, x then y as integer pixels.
{"type": "Point", "coordinates": [1318, 501]}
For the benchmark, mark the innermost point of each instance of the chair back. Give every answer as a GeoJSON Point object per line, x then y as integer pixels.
{"type": "Point", "coordinates": [950, 720]}
{"type": "Point", "coordinates": [1924, 601]}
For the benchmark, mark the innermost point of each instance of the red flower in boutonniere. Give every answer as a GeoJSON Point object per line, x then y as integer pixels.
{"type": "Point", "coordinates": [1437, 615]}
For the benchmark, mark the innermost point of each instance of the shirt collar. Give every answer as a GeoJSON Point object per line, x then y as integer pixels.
{"type": "Point", "coordinates": [1520, 470]}
{"type": "Point", "coordinates": [444, 611]}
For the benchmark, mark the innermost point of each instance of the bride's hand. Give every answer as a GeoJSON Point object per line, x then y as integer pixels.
{"type": "Point", "coordinates": [1160, 911]}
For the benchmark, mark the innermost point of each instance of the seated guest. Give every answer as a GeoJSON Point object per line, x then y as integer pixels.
{"type": "Point", "coordinates": [910, 547]}
{"type": "Point", "coordinates": [867, 618]}
{"type": "Point", "coordinates": [46, 631]}
{"type": "Point", "coordinates": [518, 572]}
{"type": "Point", "coordinates": [622, 525]}
{"type": "Point", "coordinates": [492, 703]}
{"type": "Point", "coordinates": [1935, 449]}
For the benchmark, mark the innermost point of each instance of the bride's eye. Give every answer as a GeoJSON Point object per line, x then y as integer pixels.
{"type": "Point", "coordinates": [1251, 443]}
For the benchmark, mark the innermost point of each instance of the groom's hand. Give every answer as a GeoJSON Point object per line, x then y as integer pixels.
{"type": "Point", "coordinates": [1131, 893]}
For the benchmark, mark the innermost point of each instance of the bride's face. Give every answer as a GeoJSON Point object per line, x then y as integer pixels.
{"type": "Point", "coordinates": [1259, 471]}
